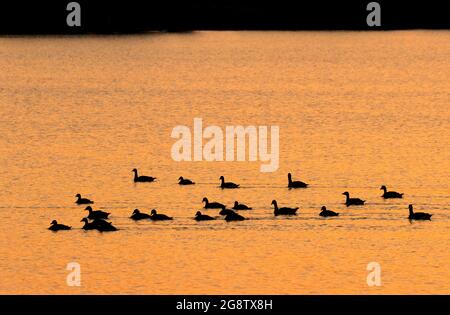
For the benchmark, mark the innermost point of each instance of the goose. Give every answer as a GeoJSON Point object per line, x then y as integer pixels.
{"type": "Point", "coordinates": [142, 179]}
{"type": "Point", "coordinates": [159, 217]}
{"type": "Point", "coordinates": [98, 214]}
{"type": "Point", "coordinates": [233, 216]}
{"type": "Point", "coordinates": [418, 215]}
{"type": "Point", "coordinates": [283, 210]}
{"type": "Point", "coordinates": [212, 205]}
{"type": "Point", "coordinates": [103, 226]}
{"type": "Point", "coordinates": [328, 213]}
{"type": "Point", "coordinates": [225, 211]}
{"type": "Point", "coordinates": [82, 201]}
{"type": "Point", "coordinates": [224, 184]}
{"type": "Point", "coordinates": [352, 201]}
{"type": "Point", "coordinates": [137, 215]}
{"type": "Point", "coordinates": [185, 181]}
{"type": "Point", "coordinates": [295, 184]}
{"type": "Point", "coordinates": [202, 217]}
{"type": "Point", "coordinates": [55, 226]}
{"type": "Point", "coordinates": [390, 194]}
{"type": "Point", "coordinates": [240, 206]}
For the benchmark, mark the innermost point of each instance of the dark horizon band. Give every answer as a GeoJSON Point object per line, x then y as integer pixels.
{"type": "Point", "coordinates": [133, 16]}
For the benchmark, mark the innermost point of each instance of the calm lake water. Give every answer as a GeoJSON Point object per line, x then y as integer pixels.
{"type": "Point", "coordinates": [356, 110]}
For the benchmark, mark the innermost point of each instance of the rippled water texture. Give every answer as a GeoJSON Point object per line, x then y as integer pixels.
{"type": "Point", "coordinates": [356, 110]}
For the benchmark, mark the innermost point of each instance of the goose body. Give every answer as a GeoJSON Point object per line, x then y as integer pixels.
{"type": "Point", "coordinates": [328, 213]}
{"type": "Point", "coordinates": [228, 185]}
{"type": "Point", "coordinates": [284, 210]}
{"type": "Point", "coordinates": [185, 181]}
{"type": "Point", "coordinates": [82, 201]}
{"type": "Point", "coordinates": [202, 217]}
{"type": "Point", "coordinates": [212, 205]}
{"type": "Point", "coordinates": [295, 184]}
{"type": "Point", "coordinates": [418, 215]}
{"type": "Point", "coordinates": [240, 206]}
{"type": "Point", "coordinates": [99, 225]}
{"type": "Point", "coordinates": [55, 226]}
{"type": "Point", "coordinates": [142, 178]}
{"type": "Point", "coordinates": [137, 215]}
{"type": "Point", "coordinates": [225, 211]}
{"type": "Point", "coordinates": [352, 201]}
{"type": "Point", "coordinates": [159, 217]}
{"type": "Point", "coordinates": [390, 194]}
{"type": "Point", "coordinates": [233, 216]}
{"type": "Point", "coordinates": [97, 214]}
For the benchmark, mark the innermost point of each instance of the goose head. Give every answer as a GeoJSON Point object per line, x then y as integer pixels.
{"type": "Point", "coordinates": [136, 211]}
{"type": "Point", "coordinates": [84, 220]}
{"type": "Point", "coordinates": [78, 196]}
{"type": "Point", "coordinates": [153, 212]}
{"type": "Point", "coordinates": [198, 213]}
{"type": "Point", "coordinates": [236, 203]}
{"type": "Point", "coordinates": [323, 208]}
{"type": "Point", "coordinates": [346, 194]}
{"type": "Point", "coordinates": [180, 178]}
{"type": "Point", "coordinates": [205, 200]}
{"type": "Point", "coordinates": [289, 176]}
{"type": "Point", "coordinates": [410, 207]}
{"type": "Point", "coordinates": [88, 208]}
{"type": "Point", "coordinates": [274, 202]}
{"type": "Point", "coordinates": [383, 188]}
{"type": "Point", "coordinates": [221, 178]}
{"type": "Point", "coordinates": [54, 222]}
{"type": "Point", "coordinates": [134, 170]}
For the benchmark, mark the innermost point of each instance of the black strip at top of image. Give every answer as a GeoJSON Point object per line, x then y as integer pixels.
{"type": "Point", "coordinates": [137, 16]}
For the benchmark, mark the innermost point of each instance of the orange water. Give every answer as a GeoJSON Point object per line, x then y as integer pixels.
{"type": "Point", "coordinates": [356, 110]}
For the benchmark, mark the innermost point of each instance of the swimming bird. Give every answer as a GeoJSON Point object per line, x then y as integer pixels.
{"type": "Point", "coordinates": [225, 211]}
{"type": "Point", "coordinates": [390, 194]}
{"type": "Point", "coordinates": [234, 217]}
{"type": "Point", "coordinates": [55, 226]}
{"type": "Point", "coordinates": [327, 213]}
{"type": "Point", "coordinates": [295, 184]}
{"type": "Point", "coordinates": [418, 215]}
{"type": "Point", "coordinates": [352, 201]}
{"type": "Point", "coordinates": [97, 214]}
{"type": "Point", "coordinates": [82, 201]}
{"type": "Point", "coordinates": [202, 217]}
{"type": "Point", "coordinates": [99, 225]}
{"type": "Point", "coordinates": [240, 206]}
{"type": "Point", "coordinates": [283, 210]}
{"type": "Point", "coordinates": [159, 217]}
{"type": "Point", "coordinates": [185, 181]}
{"type": "Point", "coordinates": [224, 184]}
{"type": "Point", "coordinates": [212, 205]}
{"type": "Point", "coordinates": [137, 215]}
{"type": "Point", "coordinates": [142, 178]}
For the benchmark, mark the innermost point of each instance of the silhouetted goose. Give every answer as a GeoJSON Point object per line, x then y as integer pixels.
{"type": "Point", "coordinates": [137, 215]}
{"type": "Point", "coordinates": [328, 213]}
{"type": "Point", "coordinates": [284, 210]}
{"type": "Point", "coordinates": [234, 217]}
{"type": "Point", "coordinates": [390, 194]}
{"type": "Point", "coordinates": [212, 205]}
{"type": "Point", "coordinates": [352, 201]}
{"type": "Point", "coordinates": [240, 206]}
{"type": "Point", "coordinates": [185, 181]}
{"type": "Point", "coordinates": [418, 215]}
{"type": "Point", "coordinates": [225, 211]}
{"type": "Point", "coordinates": [88, 225]}
{"type": "Point", "coordinates": [82, 201]}
{"type": "Point", "coordinates": [55, 226]}
{"type": "Point", "coordinates": [158, 217]}
{"type": "Point", "coordinates": [295, 184]}
{"type": "Point", "coordinates": [224, 184]}
{"type": "Point", "coordinates": [142, 179]}
{"type": "Point", "coordinates": [202, 217]}
{"type": "Point", "coordinates": [98, 214]}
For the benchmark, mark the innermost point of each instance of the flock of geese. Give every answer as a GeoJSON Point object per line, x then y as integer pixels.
{"type": "Point", "coordinates": [97, 219]}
